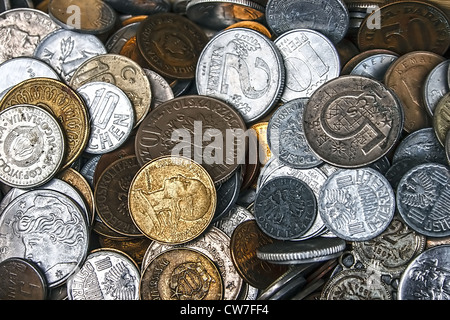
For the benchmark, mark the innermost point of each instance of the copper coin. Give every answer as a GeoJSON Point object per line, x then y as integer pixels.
{"type": "Point", "coordinates": [406, 26]}
{"type": "Point", "coordinates": [134, 247]}
{"type": "Point", "coordinates": [406, 77]}
{"type": "Point", "coordinates": [196, 127]}
{"type": "Point", "coordinates": [171, 44]}
{"type": "Point", "coordinates": [245, 240]}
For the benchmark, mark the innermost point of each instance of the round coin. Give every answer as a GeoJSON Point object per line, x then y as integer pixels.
{"type": "Point", "coordinates": [441, 118]}
{"type": "Point", "coordinates": [436, 86]}
{"type": "Point", "coordinates": [375, 66]}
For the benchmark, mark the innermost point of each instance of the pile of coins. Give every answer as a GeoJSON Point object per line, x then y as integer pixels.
{"type": "Point", "coordinates": [224, 150]}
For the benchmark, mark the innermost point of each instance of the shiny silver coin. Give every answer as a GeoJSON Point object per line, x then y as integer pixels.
{"type": "Point", "coordinates": [423, 199]}
{"type": "Point", "coordinates": [48, 228]}
{"type": "Point", "coordinates": [112, 116]}
{"type": "Point", "coordinates": [32, 146]}
{"type": "Point", "coordinates": [310, 58]}
{"type": "Point", "coordinates": [357, 204]}
{"type": "Point", "coordinates": [436, 86]}
{"type": "Point", "coordinates": [244, 69]}
{"type": "Point", "coordinates": [107, 274]}
{"type": "Point", "coordinates": [374, 66]}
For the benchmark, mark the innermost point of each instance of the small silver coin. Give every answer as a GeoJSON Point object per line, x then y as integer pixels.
{"type": "Point", "coordinates": [88, 169]}
{"type": "Point", "coordinates": [107, 274]}
{"type": "Point", "coordinates": [111, 113]}
{"type": "Point", "coordinates": [161, 89]}
{"type": "Point", "coordinates": [374, 66]}
{"type": "Point", "coordinates": [32, 146]}
{"type": "Point", "coordinates": [436, 86]}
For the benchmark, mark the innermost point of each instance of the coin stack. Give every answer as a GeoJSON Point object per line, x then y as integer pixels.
{"type": "Point", "coordinates": [224, 150]}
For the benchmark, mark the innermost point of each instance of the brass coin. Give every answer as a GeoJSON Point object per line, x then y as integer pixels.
{"type": "Point", "coordinates": [406, 77]}
{"type": "Point", "coordinates": [134, 247]}
{"type": "Point", "coordinates": [261, 134]}
{"type": "Point", "coordinates": [131, 50]}
{"type": "Point", "coordinates": [171, 44]}
{"type": "Point", "coordinates": [63, 102]}
{"type": "Point", "coordinates": [181, 274]}
{"type": "Point", "coordinates": [101, 229]}
{"type": "Point", "coordinates": [405, 27]}
{"type": "Point", "coordinates": [441, 119]}
{"type": "Point", "coordinates": [172, 200]}
{"type": "Point", "coordinates": [245, 240]}
{"type": "Point", "coordinates": [122, 72]}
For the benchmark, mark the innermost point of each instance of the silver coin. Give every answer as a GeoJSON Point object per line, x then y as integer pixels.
{"type": "Point", "coordinates": [111, 113]}
{"type": "Point", "coordinates": [21, 31]}
{"type": "Point", "coordinates": [161, 89]}
{"type": "Point", "coordinates": [436, 86]}
{"type": "Point", "coordinates": [47, 227]}
{"type": "Point", "coordinates": [32, 146]}
{"type": "Point", "coordinates": [357, 204]}
{"type": "Point", "coordinates": [310, 58]}
{"type": "Point", "coordinates": [330, 18]}
{"type": "Point", "coordinates": [66, 50]}
{"type": "Point", "coordinates": [399, 169]}
{"type": "Point", "coordinates": [244, 69]}
{"type": "Point", "coordinates": [423, 199]}
{"type": "Point", "coordinates": [374, 66]}
{"type": "Point", "coordinates": [228, 222]}
{"type": "Point", "coordinates": [447, 147]}
{"type": "Point", "coordinates": [426, 277]}
{"type": "Point", "coordinates": [88, 169]}
{"type": "Point", "coordinates": [115, 43]}
{"type": "Point", "coordinates": [107, 274]}
{"type": "Point", "coordinates": [286, 136]}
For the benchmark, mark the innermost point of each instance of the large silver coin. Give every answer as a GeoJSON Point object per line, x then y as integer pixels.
{"type": "Point", "coordinates": [357, 204]}
{"type": "Point", "coordinates": [32, 146]}
{"type": "Point", "coordinates": [423, 199]}
{"type": "Point", "coordinates": [48, 228]}
{"type": "Point", "coordinates": [243, 68]}
{"type": "Point", "coordinates": [310, 58]}
{"type": "Point", "coordinates": [436, 86]}
{"type": "Point", "coordinates": [112, 116]}
{"type": "Point", "coordinates": [352, 121]}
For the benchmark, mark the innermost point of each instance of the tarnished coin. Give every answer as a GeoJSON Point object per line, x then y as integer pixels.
{"type": "Point", "coordinates": [181, 274]}
{"type": "Point", "coordinates": [133, 247]}
{"type": "Point", "coordinates": [399, 169]}
{"type": "Point", "coordinates": [441, 118]}
{"type": "Point", "coordinates": [310, 59]}
{"type": "Point", "coordinates": [21, 31]}
{"type": "Point", "coordinates": [14, 4]}
{"type": "Point", "coordinates": [228, 222]}
{"type": "Point", "coordinates": [285, 208]}
{"type": "Point", "coordinates": [243, 68]}
{"type": "Point", "coordinates": [139, 7]}
{"type": "Point", "coordinates": [106, 274]}
{"type": "Point", "coordinates": [352, 121]}
{"type": "Point", "coordinates": [330, 18]}
{"type": "Point", "coordinates": [374, 66]}
{"type": "Point", "coordinates": [406, 26]}
{"type": "Point", "coordinates": [406, 78]}
{"type": "Point", "coordinates": [436, 86]}
{"type": "Point", "coordinates": [65, 50]}
{"type": "Point", "coordinates": [423, 196]}
{"type": "Point", "coordinates": [32, 146]}
{"type": "Point", "coordinates": [161, 89]}
{"type": "Point", "coordinates": [171, 44]}
{"type": "Point", "coordinates": [357, 204]}
{"type": "Point", "coordinates": [227, 194]}
{"type": "Point", "coordinates": [122, 72]}
{"type": "Point", "coordinates": [21, 279]}
{"type": "Point", "coordinates": [48, 228]}
{"type": "Point", "coordinates": [172, 200]}
{"type": "Point", "coordinates": [64, 103]}
{"type": "Point", "coordinates": [112, 116]}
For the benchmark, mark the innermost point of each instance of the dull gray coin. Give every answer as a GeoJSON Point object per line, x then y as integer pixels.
{"type": "Point", "coordinates": [161, 89]}
{"type": "Point", "coordinates": [436, 86]}
{"type": "Point", "coordinates": [374, 66]}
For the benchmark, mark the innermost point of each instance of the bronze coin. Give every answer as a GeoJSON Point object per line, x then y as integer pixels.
{"type": "Point", "coordinates": [134, 247]}
{"type": "Point", "coordinates": [171, 44]}
{"type": "Point", "coordinates": [406, 26]}
{"type": "Point", "coordinates": [201, 128]}
{"type": "Point", "coordinates": [245, 240]}
{"type": "Point", "coordinates": [406, 77]}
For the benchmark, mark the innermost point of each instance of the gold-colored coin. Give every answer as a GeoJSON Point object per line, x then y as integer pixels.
{"type": "Point", "coordinates": [172, 200]}
{"type": "Point", "coordinates": [181, 274]}
{"type": "Point", "coordinates": [261, 135]}
{"type": "Point", "coordinates": [63, 102]}
{"type": "Point", "coordinates": [252, 25]}
{"type": "Point", "coordinates": [441, 118]}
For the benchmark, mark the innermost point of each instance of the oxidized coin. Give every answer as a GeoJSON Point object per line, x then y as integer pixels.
{"type": "Point", "coordinates": [111, 196]}
{"type": "Point", "coordinates": [139, 7]}
{"type": "Point", "coordinates": [21, 279]}
{"type": "Point", "coordinates": [111, 114]}
{"type": "Point", "coordinates": [161, 89]}
{"type": "Point", "coordinates": [227, 194]}
{"type": "Point", "coordinates": [171, 44]}
{"type": "Point", "coordinates": [406, 78]}
{"type": "Point", "coordinates": [204, 129]}
{"type": "Point", "coordinates": [426, 277]}
{"type": "Point", "coordinates": [64, 103]}
{"type": "Point", "coordinates": [406, 26]}
{"type": "Point", "coordinates": [243, 68]}
{"type": "Point", "coordinates": [134, 247]}
{"type": "Point", "coordinates": [245, 240]}
{"type": "Point", "coordinates": [107, 274]}
{"type": "Point", "coordinates": [21, 31]}
{"type": "Point", "coordinates": [310, 59]}
{"type": "Point", "coordinates": [423, 197]}
{"type": "Point", "coordinates": [121, 72]}
{"type": "Point", "coordinates": [357, 204]}
{"type": "Point", "coordinates": [352, 121]}
{"type": "Point", "coordinates": [172, 200]}
{"type": "Point", "coordinates": [285, 208]}
{"type": "Point", "coordinates": [181, 274]}
{"type": "Point", "coordinates": [32, 146]}
{"type": "Point", "coordinates": [47, 227]}
{"type": "Point", "coordinates": [436, 86]}
{"type": "Point", "coordinates": [441, 118]}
